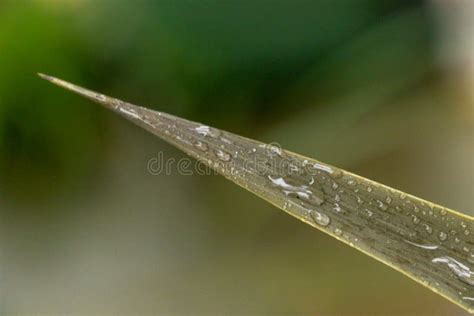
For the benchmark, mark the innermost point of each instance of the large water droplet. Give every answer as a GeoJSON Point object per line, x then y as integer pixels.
{"type": "Point", "coordinates": [320, 219]}
{"type": "Point", "coordinates": [301, 192]}
{"type": "Point", "coordinates": [458, 268]}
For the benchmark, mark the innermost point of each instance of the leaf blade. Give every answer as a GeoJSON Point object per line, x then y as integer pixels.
{"type": "Point", "coordinates": [428, 243]}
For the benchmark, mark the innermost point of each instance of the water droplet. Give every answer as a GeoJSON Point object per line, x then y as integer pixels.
{"type": "Point", "coordinates": [427, 247]}
{"type": "Point", "coordinates": [202, 130]}
{"type": "Point", "coordinates": [403, 196]}
{"type": "Point", "coordinates": [369, 189]}
{"type": "Point", "coordinates": [338, 232]}
{"type": "Point", "coordinates": [222, 155]}
{"type": "Point", "coordinates": [382, 206]}
{"type": "Point", "coordinates": [388, 200]}
{"type": "Point", "coordinates": [416, 220]}
{"type": "Point", "coordinates": [320, 219]}
{"type": "Point", "coordinates": [207, 131]}
{"type": "Point", "coordinates": [301, 192]}
{"type": "Point", "coordinates": [337, 198]}
{"type": "Point", "coordinates": [324, 168]}
{"type": "Point", "coordinates": [466, 249]}
{"type": "Point", "coordinates": [458, 268]}
{"type": "Point", "coordinates": [201, 145]}
{"type": "Point", "coordinates": [463, 225]}
{"type": "Point", "coordinates": [442, 212]}
{"type": "Point", "coordinates": [466, 232]}
{"type": "Point", "coordinates": [442, 236]}
{"type": "Point", "coordinates": [359, 200]}
{"type": "Point", "coordinates": [225, 140]}
{"type": "Point", "coordinates": [274, 149]}
{"type": "Point", "coordinates": [335, 186]}
{"type": "Point", "coordinates": [456, 240]}
{"type": "Point", "coordinates": [428, 229]}
{"type": "Point", "coordinates": [337, 207]}
{"type": "Point", "coordinates": [336, 173]}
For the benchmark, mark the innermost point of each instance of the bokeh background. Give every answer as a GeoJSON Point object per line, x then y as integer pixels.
{"type": "Point", "coordinates": [380, 88]}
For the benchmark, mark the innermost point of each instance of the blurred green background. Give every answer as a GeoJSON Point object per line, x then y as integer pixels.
{"type": "Point", "coordinates": [380, 88]}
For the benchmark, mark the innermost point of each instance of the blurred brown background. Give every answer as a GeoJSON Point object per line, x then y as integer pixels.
{"type": "Point", "coordinates": [380, 88]}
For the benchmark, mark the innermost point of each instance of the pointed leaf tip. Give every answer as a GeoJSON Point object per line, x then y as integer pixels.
{"type": "Point", "coordinates": [94, 96]}
{"type": "Point", "coordinates": [45, 77]}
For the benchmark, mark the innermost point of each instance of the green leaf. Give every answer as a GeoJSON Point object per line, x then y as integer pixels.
{"type": "Point", "coordinates": [428, 243]}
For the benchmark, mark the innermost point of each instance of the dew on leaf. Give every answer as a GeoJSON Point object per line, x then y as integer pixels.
{"type": "Point", "coordinates": [320, 219]}
{"type": "Point", "coordinates": [389, 236]}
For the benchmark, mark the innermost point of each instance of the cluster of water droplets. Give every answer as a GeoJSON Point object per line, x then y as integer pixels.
{"type": "Point", "coordinates": [427, 242]}
{"type": "Point", "coordinates": [344, 204]}
{"type": "Point", "coordinates": [366, 215]}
